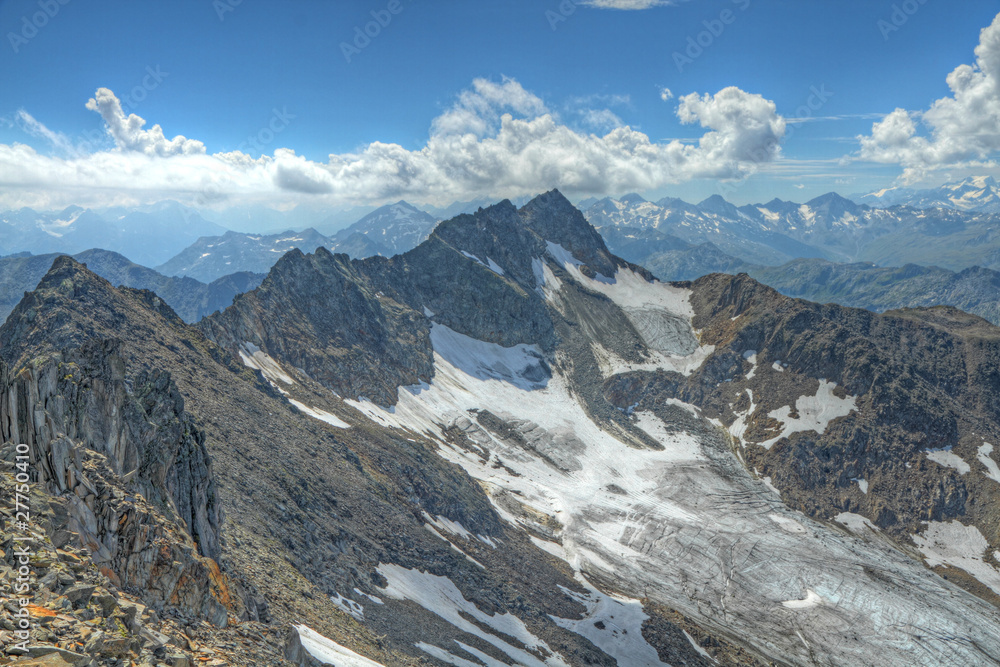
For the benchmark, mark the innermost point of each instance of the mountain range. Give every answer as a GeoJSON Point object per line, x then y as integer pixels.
{"type": "Point", "coordinates": [829, 227]}
{"type": "Point", "coordinates": [859, 285]}
{"type": "Point", "coordinates": [388, 230]}
{"type": "Point", "coordinates": [504, 446]}
{"type": "Point", "coordinates": [976, 193]}
{"type": "Point", "coordinates": [189, 298]}
{"type": "Point", "coordinates": [148, 235]}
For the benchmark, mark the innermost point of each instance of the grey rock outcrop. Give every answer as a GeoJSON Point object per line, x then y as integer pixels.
{"type": "Point", "coordinates": [131, 466]}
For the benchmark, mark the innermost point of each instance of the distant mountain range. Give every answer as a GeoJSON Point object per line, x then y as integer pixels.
{"type": "Point", "coordinates": [148, 235]}
{"type": "Point", "coordinates": [190, 298]}
{"type": "Point", "coordinates": [386, 231]}
{"type": "Point", "coordinates": [211, 257]}
{"type": "Point", "coordinates": [978, 193]}
{"type": "Point", "coordinates": [858, 285]}
{"type": "Point", "coordinates": [829, 227]}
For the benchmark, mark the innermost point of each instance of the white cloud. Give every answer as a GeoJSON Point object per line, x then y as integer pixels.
{"type": "Point", "coordinates": [601, 119]}
{"type": "Point", "coordinates": [478, 110]}
{"type": "Point", "coordinates": [955, 130]}
{"type": "Point", "coordinates": [128, 133]}
{"type": "Point", "coordinates": [746, 127]}
{"type": "Point", "coordinates": [497, 140]}
{"type": "Point", "coordinates": [666, 95]}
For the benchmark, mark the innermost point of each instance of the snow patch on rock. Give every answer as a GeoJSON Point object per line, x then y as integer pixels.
{"type": "Point", "coordinates": [960, 546]}
{"type": "Point", "coordinates": [815, 412]}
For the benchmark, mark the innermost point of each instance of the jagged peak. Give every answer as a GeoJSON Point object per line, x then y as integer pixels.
{"type": "Point", "coordinates": [555, 219]}
{"type": "Point", "coordinates": [504, 206]}
{"type": "Point", "coordinates": [72, 304]}
{"type": "Point", "coordinates": [65, 268]}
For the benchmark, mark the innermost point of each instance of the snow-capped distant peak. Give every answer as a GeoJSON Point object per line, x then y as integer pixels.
{"type": "Point", "coordinates": [973, 194]}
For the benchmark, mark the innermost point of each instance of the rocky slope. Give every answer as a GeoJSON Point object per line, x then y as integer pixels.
{"type": "Point", "coordinates": [190, 298]}
{"type": "Point", "coordinates": [905, 401]}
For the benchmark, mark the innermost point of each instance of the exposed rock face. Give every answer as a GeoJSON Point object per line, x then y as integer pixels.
{"type": "Point", "coordinates": [554, 219]}
{"type": "Point", "coordinates": [912, 382]}
{"type": "Point", "coordinates": [320, 314]}
{"type": "Point", "coordinates": [190, 298]}
{"type": "Point", "coordinates": [132, 466]}
{"type": "Point", "coordinates": [359, 326]}
{"type": "Point", "coordinates": [81, 616]}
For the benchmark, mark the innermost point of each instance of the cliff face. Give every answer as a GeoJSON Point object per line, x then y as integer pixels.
{"type": "Point", "coordinates": [131, 466]}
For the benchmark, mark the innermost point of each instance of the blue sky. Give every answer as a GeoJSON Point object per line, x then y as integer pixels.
{"type": "Point", "coordinates": [267, 78]}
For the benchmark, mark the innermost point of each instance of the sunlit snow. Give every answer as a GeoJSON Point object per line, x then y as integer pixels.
{"type": "Point", "coordinates": [329, 652]}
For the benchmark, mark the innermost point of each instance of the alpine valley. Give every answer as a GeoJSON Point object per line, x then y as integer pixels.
{"type": "Point", "coordinates": [508, 445]}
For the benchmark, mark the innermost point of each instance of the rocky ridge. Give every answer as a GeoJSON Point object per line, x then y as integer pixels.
{"type": "Point", "coordinates": [604, 327]}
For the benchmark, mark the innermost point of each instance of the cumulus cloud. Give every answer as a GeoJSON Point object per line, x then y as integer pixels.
{"type": "Point", "coordinates": [478, 110]}
{"type": "Point", "coordinates": [955, 130]}
{"type": "Point", "coordinates": [666, 95]}
{"type": "Point", "coordinates": [497, 140]}
{"type": "Point", "coordinates": [746, 127]}
{"type": "Point", "coordinates": [128, 133]}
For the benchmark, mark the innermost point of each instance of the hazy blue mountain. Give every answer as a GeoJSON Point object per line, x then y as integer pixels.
{"type": "Point", "coordinates": [859, 285]}
{"type": "Point", "coordinates": [190, 298]}
{"type": "Point", "coordinates": [148, 235]}
{"type": "Point", "coordinates": [388, 230]}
